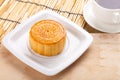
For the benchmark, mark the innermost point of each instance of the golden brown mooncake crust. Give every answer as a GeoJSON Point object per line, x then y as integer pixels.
{"type": "Point", "coordinates": [47, 37]}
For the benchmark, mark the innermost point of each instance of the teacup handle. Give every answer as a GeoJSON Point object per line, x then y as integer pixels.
{"type": "Point", "coordinates": [116, 18]}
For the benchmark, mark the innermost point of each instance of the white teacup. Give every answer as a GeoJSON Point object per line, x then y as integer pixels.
{"type": "Point", "coordinates": [107, 11]}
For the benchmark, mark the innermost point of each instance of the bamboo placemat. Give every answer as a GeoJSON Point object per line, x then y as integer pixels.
{"type": "Point", "coordinates": [13, 12]}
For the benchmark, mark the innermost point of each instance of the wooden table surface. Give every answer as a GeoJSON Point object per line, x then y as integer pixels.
{"type": "Point", "coordinates": [101, 61]}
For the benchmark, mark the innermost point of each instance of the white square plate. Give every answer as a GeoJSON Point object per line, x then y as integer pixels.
{"type": "Point", "coordinates": [78, 40]}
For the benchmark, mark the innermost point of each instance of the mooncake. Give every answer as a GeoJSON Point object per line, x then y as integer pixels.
{"type": "Point", "coordinates": [47, 37]}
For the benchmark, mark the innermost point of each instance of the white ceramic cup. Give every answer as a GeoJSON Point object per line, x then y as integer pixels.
{"type": "Point", "coordinates": [105, 15]}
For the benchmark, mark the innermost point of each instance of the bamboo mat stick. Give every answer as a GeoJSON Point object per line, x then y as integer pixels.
{"type": "Point", "coordinates": [73, 10]}
{"type": "Point", "coordinates": [50, 5]}
{"type": "Point", "coordinates": [56, 5]}
{"type": "Point", "coordinates": [79, 21]}
{"type": "Point", "coordinates": [53, 3]}
{"type": "Point", "coordinates": [76, 8]}
{"type": "Point", "coordinates": [31, 10]}
{"type": "Point", "coordinates": [1, 1]}
{"type": "Point", "coordinates": [81, 18]}
{"type": "Point", "coordinates": [1, 31]}
{"type": "Point", "coordinates": [16, 11]}
{"type": "Point", "coordinates": [46, 3]}
{"type": "Point", "coordinates": [34, 9]}
{"type": "Point", "coordinates": [80, 11]}
{"type": "Point", "coordinates": [7, 24]}
{"type": "Point", "coordinates": [4, 29]}
{"type": "Point", "coordinates": [68, 6]}
{"type": "Point", "coordinates": [10, 28]}
{"type": "Point", "coordinates": [9, 10]}
{"type": "Point", "coordinates": [25, 13]}
{"type": "Point", "coordinates": [13, 15]}
{"type": "Point", "coordinates": [59, 5]}
{"type": "Point", "coordinates": [3, 6]}
{"type": "Point", "coordinates": [42, 2]}
{"type": "Point", "coordinates": [3, 21]}
{"type": "Point", "coordinates": [7, 13]}
{"type": "Point", "coordinates": [38, 7]}
{"type": "Point", "coordinates": [13, 5]}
